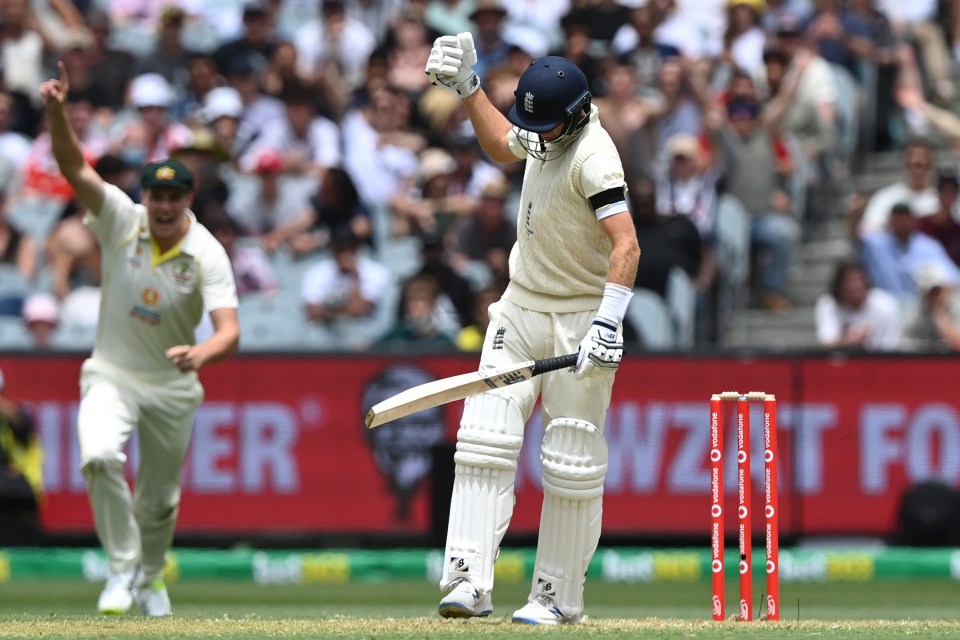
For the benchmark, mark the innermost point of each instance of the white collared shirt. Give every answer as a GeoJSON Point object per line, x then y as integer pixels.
{"type": "Point", "coordinates": [152, 302]}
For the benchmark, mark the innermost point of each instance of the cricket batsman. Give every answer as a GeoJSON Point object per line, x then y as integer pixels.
{"type": "Point", "coordinates": [572, 271]}
{"type": "Point", "coordinates": [160, 270]}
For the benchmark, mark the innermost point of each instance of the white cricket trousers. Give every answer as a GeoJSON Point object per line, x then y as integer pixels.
{"type": "Point", "coordinates": [135, 527]}
{"type": "Point", "coordinates": [516, 334]}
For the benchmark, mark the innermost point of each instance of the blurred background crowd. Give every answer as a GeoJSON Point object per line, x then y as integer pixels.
{"type": "Point", "coordinates": [361, 214]}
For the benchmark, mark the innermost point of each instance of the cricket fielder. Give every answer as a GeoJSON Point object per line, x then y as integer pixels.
{"type": "Point", "coordinates": [571, 277]}
{"type": "Point", "coordinates": [160, 268]}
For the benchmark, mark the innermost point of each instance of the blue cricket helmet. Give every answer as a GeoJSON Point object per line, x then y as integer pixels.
{"type": "Point", "coordinates": [550, 92]}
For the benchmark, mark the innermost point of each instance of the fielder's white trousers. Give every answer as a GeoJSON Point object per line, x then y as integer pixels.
{"type": "Point", "coordinates": [135, 527]}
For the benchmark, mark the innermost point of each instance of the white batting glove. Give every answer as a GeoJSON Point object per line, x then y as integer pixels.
{"type": "Point", "coordinates": [599, 349]}
{"type": "Point", "coordinates": [451, 64]}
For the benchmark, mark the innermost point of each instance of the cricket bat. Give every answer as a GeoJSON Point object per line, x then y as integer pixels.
{"type": "Point", "coordinates": [432, 394]}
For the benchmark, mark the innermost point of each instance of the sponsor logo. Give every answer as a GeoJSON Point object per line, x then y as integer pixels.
{"type": "Point", "coordinates": [772, 612]}
{"type": "Point", "coordinates": [545, 587]}
{"type": "Point", "coordinates": [498, 339]}
{"type": "Point", "coordinates": [512, 378]}
{"type": "Point", "coordinates": [150, 296]}
{"type": "Point", "coordinates": [717, 607]}
{"type": "Point", "coordinates": [528, 102]}
{"type": "Point", "coordinates": [146, 315]}
{"type": "Point", "coordinates": [527, 224]}
{"type": "Point", "coordinates": [744, 610]}
{"type": "Point", "coordinates": [459, 565]}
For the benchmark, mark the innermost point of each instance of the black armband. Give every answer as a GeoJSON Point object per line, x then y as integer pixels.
{"type": "Point", "coordinates": [608, 197]}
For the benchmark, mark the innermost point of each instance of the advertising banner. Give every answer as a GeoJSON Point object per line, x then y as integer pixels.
{"type": "Point", "coordinates": [279, 445]}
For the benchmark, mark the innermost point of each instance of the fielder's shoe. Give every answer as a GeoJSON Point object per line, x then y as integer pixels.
{"type": "Point", "coordinates": [117, 595]}
{"type": "Point", "coordinates": [152, 598]}
{"type": "Point", "coordinates": [465, 601]}
{"type": "Point", "coordinates": [542, 610]}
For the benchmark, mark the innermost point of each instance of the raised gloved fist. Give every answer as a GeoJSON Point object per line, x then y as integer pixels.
{"type": "Point", "coordinates": [599, 349]}
{"type": "Point", "coordinates": [451, 64]}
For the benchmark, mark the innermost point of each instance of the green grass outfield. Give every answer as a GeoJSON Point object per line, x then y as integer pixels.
{"type": "Point", "coordinates": [406, 610]}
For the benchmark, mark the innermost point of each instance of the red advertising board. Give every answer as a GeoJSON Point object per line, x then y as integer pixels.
{"type": "Point", "coordinates": [279, 444]}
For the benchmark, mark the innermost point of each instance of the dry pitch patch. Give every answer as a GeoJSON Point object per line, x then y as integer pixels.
{"type": "Point", "coordinates": [413, 628]}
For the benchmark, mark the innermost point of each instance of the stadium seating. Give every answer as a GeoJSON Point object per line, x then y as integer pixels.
{"type": "Point", "coordinates": [650, 318]}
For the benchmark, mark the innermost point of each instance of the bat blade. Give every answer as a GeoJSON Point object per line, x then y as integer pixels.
{"type": "Point", "coordinates": [432, 394]}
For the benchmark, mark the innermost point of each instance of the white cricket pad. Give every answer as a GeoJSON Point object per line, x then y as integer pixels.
{"type": "Point", "coordinates": [488, 445]}
{"type": "Point", "coordinates": [574, 464]}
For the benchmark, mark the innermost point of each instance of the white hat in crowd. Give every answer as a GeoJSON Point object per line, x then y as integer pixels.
{"type": "Point", "coordinates": [151, 90]}
{"type": "Point", "coordinates": [222, 102]}
{"type": "Point", "coordinates": [41, 307]}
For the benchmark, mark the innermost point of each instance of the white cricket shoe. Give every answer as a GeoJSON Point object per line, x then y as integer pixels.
{"type": "Point", "coordinates": [117, 595]}
{"type": "Point", "coordinates": [152, 599]}
{"type": "Point", "coordinates": [465, 601]}
{"type": "Point", "coordinates": [542, 610]}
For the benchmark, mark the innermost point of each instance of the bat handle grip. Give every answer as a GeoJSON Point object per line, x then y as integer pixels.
{"type": "Point", "coordinates": [553, 364]}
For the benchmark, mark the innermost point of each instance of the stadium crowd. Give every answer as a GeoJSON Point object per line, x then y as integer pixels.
{"type": "Point", "coordinates": [360, 212]}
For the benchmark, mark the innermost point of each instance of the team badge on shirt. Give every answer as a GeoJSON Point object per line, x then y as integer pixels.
{"type": "Point", "coordinates": [150, 296]}
{"type": "Point", "coordinates": [184, 276]}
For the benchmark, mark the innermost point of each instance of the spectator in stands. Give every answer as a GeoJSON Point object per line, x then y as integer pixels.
{"type": "Point", "coordinates": [933, 322]}
{"type": "Point", "coordinates": [202, 78]}
{"type": "Point", "coordinates": [41, 317]}
{"type": "Point", "coordinates": [434, 206]}
{"type": "Point", "coordinates": [636, 45]}
{"type": "Point", "coordinates": [488, 228]}
{"type": "Point", "coordinates": [252, 270]}
{"type": "Point", "coordinates": [449, 16]}
{"type": "Point", "coordinates": [777, 9]}
{"type": "Point", "coordinates": [744, 40]}
{"type": "Point", "coordinates": [488, 17]}
{"type": "Point", "coordinates": [170, 59]}
{"type": "Point", "coordinates": [411, 46]}
{"type": "Point", "coordinates": [21, 474]}
{"type": "Point", "coordinates": [917, 22]}
{"type": "Point", "coordinates": [335, 209]}
{"type": "Point", "coordinates": [455, 299]}
{"type": "Point", "coordinates": [689, 188]}
{"type": "Point", "coordinates": [379, 153]}
{"type": "Point", "coordinates": [281, 70]}
{"type": "Point", "coordinates": [470, 338]}
{"type": "Point", "coordinates": [666, 241]}
{"type": "Point", "coordinates": [17, 248]}
{"type": "Point", "coordinates": [153, 135]}
{"type": "Point", "coordinates": [622, 112]}
{"type": "Point", "coordinates": [308, 142]}
{"type": "Point", "coordinates": [680, 110]}
{"type": "Point", "coordinates": [24, 45]}
{"type": "Point", "coordinates": [223, 113]}
{"type": "Point", "coordinates": [335, 40]}
{"type": "Point", "coordinates": [111, 69]}
{"type": "Point", "coordinates": [918, 191]}
{"type": "Point", "coordinates": [260, 111]}
{"type": "Point", "coordinates": [14, 145]}
{"type": "Point", "coordinates": [257, 41]}
{"type": "Point", "coordinates": [894, 256]}
{"type": "Point", "coordinates": [943, 226]}
{"type": "Point", "coordinates": [877, 45]}
{"type": "Point", "coordinates": [41, 176]}
{"type": "Point", "coordinates": [576, 46]}
{"type": "Point", "coordinates": [856, 315]}
{"type": "Point", "coordinates": [418, 325]}
{"type": "Point", "coordinates": [757, 175]}
{"type": "Point", "coordinates": [72, 252]}
{"type": "Point", "coordinates": [472, 173]}
{"type": "Point", "coordinates": [347, 285]}
{"type": "Point", "coordinates": [811, 115]}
